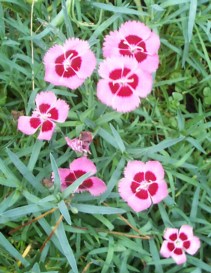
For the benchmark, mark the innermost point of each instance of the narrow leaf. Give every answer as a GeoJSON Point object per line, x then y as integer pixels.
{"type": "Point", "coordinates": [97, 209]}
{"type": "Point", "coordinates": [65, 245]}
{"type": "Point", "coordinates": [11, 250]}
{"type": "Point", "coordinates": [64, 211]}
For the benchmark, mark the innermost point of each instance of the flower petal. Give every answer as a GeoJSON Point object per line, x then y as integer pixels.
{"type": "Point", "coordinates": [187, 230]}
{"type": "Point", "coordinates": [161, 193]}
{"type": "Point", "coordinates": [120, 104]}
{"type": "Point", "coordinates": [111, 43]}
{"type": "Point", "coordinates": [164, 250]}
{"type": "Point", "coordinates": [150, 64]}
{"type": "Point", "coordinates": [45, 98]}
{"type": "Point", "coordinates": [179, 259]}
{"type": "Point", "coordinates": [168, 232]}
{"type": "Point", "coordinates": [63, 173]}
{"type": "Point", "coordinates": [28, 125]}
{"type": "Point", "coordinates": [135, 28]}
{"type": "Point", "coordinates": [138, 204]}
{"type": "Point", "coordinates": [153, 43]}
{"type": "Point", "coordinates": [144, 87]}
{"type": "Point", "coordinates": [157, 168]}
{"type": "Point", "coordinates": [132, 168]}
{"type": "Point", "coordinates": [98, 186]}
{"type": "Point", "coordinates": [62, 108]}
{"type": "Point", "coordinates": [113, 63]}
{"type": "Point", "coordinates": [83, 164]}
{"type": "Point", "coordinates": [47, 130]}
{"type": "Point", "coordinates": [194, 245]}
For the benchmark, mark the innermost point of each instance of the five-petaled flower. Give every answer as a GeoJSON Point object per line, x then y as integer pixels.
{"type": "Point", "coordinates": [143, 184]}
{"type": "Point", "coordinates": [69, 65]}
{"type": "Point", "coordinates": [177, 242]}
{"type": "Point", "coordinates": [77, 168]}
{"type": "Point", "coordinates": [134, 39]}
{"type": "Point", "coordinates": [123, 83]}
{"type": "Point", "coordinates": [49, 110]}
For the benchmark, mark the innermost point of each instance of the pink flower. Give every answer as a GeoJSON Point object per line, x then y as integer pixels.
{"type": "Point", "coordinates": [123, 83]}
{"type": "Point", "coordinates": [136, 40]}
{"type": "Point", "coordinates": [177, 242]}
{"type": "Point", "coordinates": [49, 110]}
{"type": "Point", "coordinates": [77, 168]}
{"type": "Point", "coordinates": [69, 65]}
{"type": "Point", "coordinates": [143, 184]}
{"type": "Point", "coordinates": [81, 144]}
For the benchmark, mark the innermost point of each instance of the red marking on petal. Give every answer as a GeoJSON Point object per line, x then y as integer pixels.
{"type": "Point", "coordinates": [115, 87]}
{"type": "Point", "coordinates": [44, 107]}
{"type": "Point", "coordinates": [178, 251]}
{"type": "Point", "coordinates": [47, 126]}
{"type": "Point", "coordinates": [173, 237]}
{"type": "Point", "coordinates": [116, 74]}
{"type": "Point", "coordinates": [35, 122]}
{"type": "Point", "coordinates": [70, 178]}
{"type": "Point", "coordinates": [54, 114]}
{"type": "Point", "coordinates": [142, 194]}
{"type": "Point", "coordinates": [170, 246]}
{"type": "Point", "coordinates": [124, 91]}
{"type": "Point", "coordinates": [133, 40]}
{"type": "Point", "coordinates": [74, 64]}
{"type": "Point", "coordinates": [86, 184]}
{"type": "Point", "coordinates": [186, 244]}
{"type": "Point", "coordinates": [75, 175]}
{"type": "Point", "coordinates": [183, 236]}
{"type": "Point", "coordinates": [149, 176]}
{"type": "Point", "coordinates": [153, 188]}
{"type": "Point", "coordinates": [135, 81]}
{"type": "Point", "coordinates": [139, 177]}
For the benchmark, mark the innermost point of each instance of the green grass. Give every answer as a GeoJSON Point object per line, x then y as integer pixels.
{"type": "Point", "coordinates": [172, 125]}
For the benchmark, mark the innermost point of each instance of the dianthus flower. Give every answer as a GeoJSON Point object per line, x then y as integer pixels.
{"type": "Point", "coordinates": [143, 184]}
{"type": "Point", "coordinates": [177, 242]}
{"type": "Point", "coordinates": [136, 40]}
{"type": "Point", "coordinates": [123, 83]}
{"type": "Point", "coordinates": [48, 111]}
{"type": "Point", "coordinates": [81, 144]}
{"type": "Point", "coordinates": [69, 65]}
{"type": "Point", "coordinates": [77, 168]}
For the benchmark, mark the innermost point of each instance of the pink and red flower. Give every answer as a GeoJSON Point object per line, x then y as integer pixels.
{"type": "Point", "coordinates": [76, 169]}
{"type": "Point", "coordinates": [177, 242]}
{"type": "Point", "coordinates": [81, 144]}
{"type": "Point", "coordinates": [69, 65]}
{"type": "Point", "coordinates": [143, 184]}
{"type": "Point", "coordinates": [123, 83]}
{"type": "Point", "coordinates": [49, 110]}
{"type": "Point", "coordinates": [136, 40]}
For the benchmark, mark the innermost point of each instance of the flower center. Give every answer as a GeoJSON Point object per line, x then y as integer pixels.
{"type": "Point", "coordinates": [123, 81]}
{"type": "Point", "coordinates": [133, 46]}
{"type": "Point", "coordinates": [67, 62]}
{"type": "Point", "coordinates": [178, 243]}
{"type": "Point", "coordinates": [43, 116]}
{"type": "Point", "coordinates": [144, 185]}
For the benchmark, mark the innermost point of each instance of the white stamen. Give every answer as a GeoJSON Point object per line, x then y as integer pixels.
{"type": "Point", "coordinates": [123, 81]}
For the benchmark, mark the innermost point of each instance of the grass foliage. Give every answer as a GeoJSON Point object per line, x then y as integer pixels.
{"type": "Point", "coordinates": [81, 233]}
